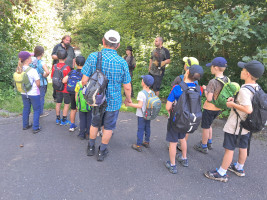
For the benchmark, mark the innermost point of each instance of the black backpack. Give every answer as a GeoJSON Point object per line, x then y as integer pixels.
{"type": "Point", "coordinates": [256, 120]}
{"type": "Point", "coordinates": [186, 113]}
{"type": "Point", "coordinates": [95, 90]}
{"type": "Point", "coordinates": [57, 78]}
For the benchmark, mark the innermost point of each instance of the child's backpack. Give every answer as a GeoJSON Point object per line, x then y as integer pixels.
{"type": "Point", "coordinates": [256, 120]}
{"type": "Point", "coordinates": [229, 90]}
{"type": "Point", "coordinates": [81, 103]}
{"type": "Point", "coordinates": [153, 106]}
{"type": "Point", "coordinates": [22, 81]}
{"type": "Point", "coordinates": [186, 113]}
{"type": "Point", "coordinates": [95, 90]}
{"type": "Point", "coordinates": [57, 78]}
{"type": "Point", "coordinates": [36, 64]}
{"type": "Point", "coordinates": [74, 78]}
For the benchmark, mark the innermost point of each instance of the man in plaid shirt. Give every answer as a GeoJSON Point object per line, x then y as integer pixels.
{"type": "Point", "coordinates": [117, 72]}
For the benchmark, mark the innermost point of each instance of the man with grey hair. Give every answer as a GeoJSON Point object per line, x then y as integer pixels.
{"type": "Point", "coordinates": [116, 70]}
{"type": "Point", "coordinates": [160, 57]}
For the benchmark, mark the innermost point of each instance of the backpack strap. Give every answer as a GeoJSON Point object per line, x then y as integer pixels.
{"type": "Point", "coordinates": [63, 67]}
{"type": "Point", "coordinates": [250, 88]}
{"type": "Point", "coordinates": [99, 61]}
{"type": "Point", "coordinates": [183, 85]}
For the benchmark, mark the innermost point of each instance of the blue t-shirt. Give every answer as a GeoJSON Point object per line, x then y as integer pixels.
{"type": "Point", "coordinates": [176, 92]}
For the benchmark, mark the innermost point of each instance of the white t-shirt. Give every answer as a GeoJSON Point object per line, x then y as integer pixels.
{"type": "Point", "coordinates": [243, 98]}
{"type": "Point", "coordinates": [141, 97]}
{"type": "Point", "coordinates": [33, 76]}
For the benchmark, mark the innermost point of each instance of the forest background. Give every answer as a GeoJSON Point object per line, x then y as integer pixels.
{"type": "Point", "coordinates": [236, 30]}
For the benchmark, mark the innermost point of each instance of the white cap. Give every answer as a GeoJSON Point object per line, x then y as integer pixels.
{"type": "Point", "coordinates": [112, 36]}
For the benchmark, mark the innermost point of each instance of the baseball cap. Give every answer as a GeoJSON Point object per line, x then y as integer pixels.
{"type": "Point", "coordinates": [190, 61]}
{"type": "Point", "coordinates": [219, 62]}
{"type": "Point", "coordinates": [112, 36]}
{"type": "Point", "coordinates": [24, 55]}
{"type": "Point", "coordinates": [148, 80]}
{"type": "Point", "coordinates": [196, 69]}
{"type": "Point", "coordinates": [254, 67]}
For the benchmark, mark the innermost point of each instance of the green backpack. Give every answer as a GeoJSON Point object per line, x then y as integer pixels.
{"type": "Point", "coordinates": [22, 81]}
{"type": "Point", "coordinates": [81, 102]}
{"type": "Point", "coordinates": [229, 89]}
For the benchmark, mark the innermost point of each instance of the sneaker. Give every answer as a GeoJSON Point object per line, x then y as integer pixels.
{"type": "Point", "coordinates": [209, 146]}
{"type": "Point", "coordinates": [102, 154]}
{"type": "Point", "coordinates": [66, 122]}
{"type": "Point", "coordinates": [58, 121]}
{"type": "Point", "coordinates": [232, 168]}
{"type": "Point", "coordinates": [214, 175]}
{"type": "Point", "coordinates": [72, 127]}
{"type": "Point", "coordinates": [90, 150]}
{"type": "Point", "coordinates": [44, 114]}
{"type": "Point", "coordinates": [184, 162]}
{"type": "Point", "coordinates": [199, 148]}
{"type": "Point", "coordinates": [137, 147]}
{"type": "Point", "coordinates": [172, 169]}
{"type": "Point", "coordinates": [146, 144]}
{"type": "Point", "coordinates": [27, 127]}
{"type": "Point", "coordinates": [80, 137]}
{"type": "Point", "coordinates": [36, 131]}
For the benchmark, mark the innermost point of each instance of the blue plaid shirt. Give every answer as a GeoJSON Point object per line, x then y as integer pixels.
{"type": "Point", "coordinates": [117, 72]}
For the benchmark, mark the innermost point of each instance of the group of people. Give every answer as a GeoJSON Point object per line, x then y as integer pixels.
{"type": "Point", "coordinates": [119, 72]}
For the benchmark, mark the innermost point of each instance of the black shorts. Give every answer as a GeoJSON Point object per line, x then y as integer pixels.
{"type": "Point", "coordinates": [72, 102]}
{"type": "Point", "coordinates": [230, 140]}
{"type": "Point", "coordinates": [61, 95]}
{"type": "Point", "coordinates": [207, 118]}
{"type": "Point", "coordinates": [173, 136]}
{"type": "Point", "coordinates": [157, 82]}
{"type": "Point", "coordinates": [108, 119]}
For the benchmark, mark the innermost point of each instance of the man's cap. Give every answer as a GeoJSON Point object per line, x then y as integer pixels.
{"type": "Point", "coordinates": [219, 62]}
{"type": "Point", "coordinates": [24, 55]}
{"type": "Point", "coordinates": [190, 61]}
{"type": "Point", "coordinates": [254, 67]}
{"type": "Point", "coordinates": [196, 69]}
{"type": "Point", "coordinates": [148, 80]}
{"type": "Point", "coordinates": [129, 48]}
{"type": "Point", "coordinates": [112, 36]}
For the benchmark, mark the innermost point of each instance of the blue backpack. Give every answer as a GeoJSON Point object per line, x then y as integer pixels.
{"type": "Point", "coordinates": [37, 64]}
{"type": "Point", "coordinates": [74, 78]}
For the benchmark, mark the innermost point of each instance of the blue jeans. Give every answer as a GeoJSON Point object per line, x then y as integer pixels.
{"type": "Point", "coordinates": [43, 90]}
{"type": "Point", "coordinates": [29, 101]}
{"type": "Point", "coordinates": [85, 122]}
{"type": "Point", "coordinates": [143, 126]}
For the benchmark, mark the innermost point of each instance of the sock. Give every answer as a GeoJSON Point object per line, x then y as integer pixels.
{"type": "Point", "coordinates": [209, 141]}
{"type": "Point", "coordinates": [238, 166]}
{"type": "Point", "coordinates": [64, 118]}
{"type": "Point", "coordinates": [92, 142]}
{"type": "Point", "coordinates": [204, 146]}
{"type": "Point", "coordinates": [58, 116]}
{"type": "Point", "coordinates": [222, 171]}
{"type": "Point", "coordinates": [172, 165]}
{"type": "Point", "coordinates": [103, 147]}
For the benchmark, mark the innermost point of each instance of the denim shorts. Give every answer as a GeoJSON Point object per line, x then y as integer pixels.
{"type": "Point", "coordinates": [207, 118]}
{"type": "Point", "coordinates": [108, 120]}
{"type": "Point", "coordinates": [229, 141]}
{"type": "Point", "coordinates": [61, 95]}
{"type": "Point", "coordinates": [173, 136]}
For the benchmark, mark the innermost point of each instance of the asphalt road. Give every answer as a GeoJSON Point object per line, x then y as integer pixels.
{"type": "Point", "coordinates": [53, 165]}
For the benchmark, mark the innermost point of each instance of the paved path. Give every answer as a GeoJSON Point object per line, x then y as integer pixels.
{"type": "Point", "coordinates": [53, 165]}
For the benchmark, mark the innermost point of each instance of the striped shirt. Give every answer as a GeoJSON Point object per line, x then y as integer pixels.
{"type": "Point", "coordinates": [117, 72]}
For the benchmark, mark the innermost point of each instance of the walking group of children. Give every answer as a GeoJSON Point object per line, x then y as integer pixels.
{"type": "Point", "coordinates": [68, 88]}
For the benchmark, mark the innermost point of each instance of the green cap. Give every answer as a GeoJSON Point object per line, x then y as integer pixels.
{"type": "Point", "coordinates": [190, 61]}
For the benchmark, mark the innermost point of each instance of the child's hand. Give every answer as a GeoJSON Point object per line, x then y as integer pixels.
{"type": "Point", "coordinates": [230, 99]}
{"type": "Point", "coordinates": [204, 87]}
{"type": "Point", "coordinates": [230, 104]}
